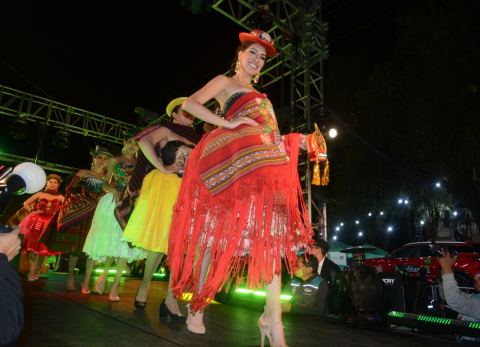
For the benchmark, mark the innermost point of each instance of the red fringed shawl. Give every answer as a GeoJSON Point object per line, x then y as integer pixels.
{"type": "Point", "coordinates": [241, 199]}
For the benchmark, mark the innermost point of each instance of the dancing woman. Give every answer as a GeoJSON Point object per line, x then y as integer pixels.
{"type": "Point", "coordinates": [240, 206]}
{"type": "Point", "coordinates": [103, 243]}
{"type": "Point", "coordinates": [42, 207]}
{"type": "Point", "coordinates": [81, 198]}
{"type": "Point", "coordinates": [149, 224]}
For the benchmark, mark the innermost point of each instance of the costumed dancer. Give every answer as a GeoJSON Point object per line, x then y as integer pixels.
{"type": "Point", "coordinates": [149, 224]}
{"type": "Point", "coordinates": [42, 207]}
{"type": "Point", "coordinates": [240, 209]}
{"type": "Point", "coordinates": [75, 215]}
{"type": "Point", "coordinates": [103, 243]}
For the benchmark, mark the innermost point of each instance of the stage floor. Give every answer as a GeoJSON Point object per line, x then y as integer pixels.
{"type": "Point", "coordinates": [55, 317]}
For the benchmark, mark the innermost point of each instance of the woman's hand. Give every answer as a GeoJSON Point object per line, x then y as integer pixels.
{"type": "Point", "coordinates": [239, 121]}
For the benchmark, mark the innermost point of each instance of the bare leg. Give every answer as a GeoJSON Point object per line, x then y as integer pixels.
{"type": "Point", "coordinates": [72, 262]}
{"type": "Point", "coordinates": [270, 322]}
{"type": "Point", "coordinates": [31, 266]}
{"type": "Point", "coordinates": [39, 264]}
{"type": "Point", "coordinates": [195, 320]}
{"type": "Point", "coordinates": [88, 275]}
{"type": "Point", "coordinates": [151, 264]}
{"type": "Point", "coordinates": [102, 279]}
{"type": "Point", "coordinates": [121, 265]}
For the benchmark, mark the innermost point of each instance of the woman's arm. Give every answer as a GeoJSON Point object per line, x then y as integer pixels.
{"type": "Point", "coordinates": [108, 186]}
{"type": "Point", "coordinates": [214, 88]}
{"type": "Point", "coordinates": [147, 143]}
{"type": "Point", "coordinates": [28, 204]}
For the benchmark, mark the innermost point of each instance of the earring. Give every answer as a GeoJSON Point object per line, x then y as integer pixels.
{"type": "Point", "coordinates": [237, 67]}
{"type": "Point", "coordinates": [256, 78]}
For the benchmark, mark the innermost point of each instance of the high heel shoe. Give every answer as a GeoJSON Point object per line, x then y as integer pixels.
{"type": "Point", "coordinates": [166, 314]}
{"type": "Point", "coordinates": [70, 284]}
{"type": "Point", "coordinates": [195, 322]}
{"type": "Point", "coordinates": [266, 328]}
{"type": "Point", "coordinates": [85, 290]}
{"type": "Point", "coordinates": [139, 305]}
{"type": "Point", "coordinates": [113, 298]}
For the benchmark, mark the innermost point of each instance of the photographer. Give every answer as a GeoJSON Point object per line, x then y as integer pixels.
{"type": "Point", "coordinates": [467, 305]}
{"type": "Point", "coordinates": [11, 294]}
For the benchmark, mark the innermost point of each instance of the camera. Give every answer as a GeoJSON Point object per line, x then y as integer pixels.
{"type": "Point", "coordinates": [435, 250]}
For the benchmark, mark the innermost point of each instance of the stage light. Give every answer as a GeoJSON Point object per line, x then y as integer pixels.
{"type": "Point", "coordinates": [405, 202]}
{"type": "Point", "coordinates": [360, 233]}
{"type": "Point", "coordinates": [369, 214]}
{"type": "Point", "coordinates": [389, 228]}
{"type": "Point", "coordinates": [332, 133]}
{"type": "Point", "coordinates": [334, 237]}
{"type": "Point", "coordinates": [61, 140]}
{"type": "Point", "coordinates": [341, 224]}
{"type": "Point", "coordinates": [455, 213]}
{"type": "Point", "coordinates": [438, 184]}
{"type": "Point", "coordinates": [111, 271]}
{"type": "Point", "coordinates": [400, 201]}
{"type": "Point", "coordinates": [337, 228]}
{"type": "Point", "coordinates": [422, 222]}
{"type": "Point", "coordinates": [262, 293]}
{"type": "Point", "coordinates": [357, 222]}
{"type": "Point", "coordinates": [381, 213]}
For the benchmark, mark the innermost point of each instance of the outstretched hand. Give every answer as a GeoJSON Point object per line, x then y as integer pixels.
{"type": "Point", "coordinates": [10, 243]}
{"type": "Point", "coordinates": [446, 261]}
{"type": "Point", "coordinates": [239, 121]}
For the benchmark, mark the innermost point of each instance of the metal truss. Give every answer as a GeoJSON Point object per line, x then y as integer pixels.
{"type": "Point", "coordinates": [47, 166]}
{"type": "Point", "coordinates": [32, 108]}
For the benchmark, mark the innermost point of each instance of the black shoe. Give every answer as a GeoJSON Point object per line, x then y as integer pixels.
{"type": "Point", "coordinates": [166, 314]}
{"type": "Point", "coordinates": [139, 305]}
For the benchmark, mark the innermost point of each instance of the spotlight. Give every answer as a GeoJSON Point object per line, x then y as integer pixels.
{"type": "Point", "coordinates": [61, 140]}
{"type": "Point", "coordinates": [332, 133]}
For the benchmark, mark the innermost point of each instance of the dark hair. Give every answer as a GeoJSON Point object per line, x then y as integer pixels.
{"type": "Point", "coordinates": [243, 46]}
{"type": "Point", "coordinates": [323, 245]}
{"type": "Point", "coordinates": [176, 108]}
{"type": "Point", "coordinates": [169, 152]}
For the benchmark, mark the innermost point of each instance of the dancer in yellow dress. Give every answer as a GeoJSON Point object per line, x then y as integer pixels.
{"type": "Point", "coordinates": [149, 224]}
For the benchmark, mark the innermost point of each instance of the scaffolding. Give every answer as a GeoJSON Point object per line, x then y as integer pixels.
{"type": "Point", "coordinates": [31, 108]}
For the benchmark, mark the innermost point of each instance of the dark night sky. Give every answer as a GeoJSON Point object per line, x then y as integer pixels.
{"type": "Point", "coordinates": [111, 56]}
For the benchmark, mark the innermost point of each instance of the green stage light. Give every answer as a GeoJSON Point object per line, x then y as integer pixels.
{"type": "Point", "coordinates": [112, 271]}
{"type": "Point", "coordinates": [284, 297]}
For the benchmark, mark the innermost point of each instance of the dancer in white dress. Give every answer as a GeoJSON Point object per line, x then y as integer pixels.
{"type": "Point", "coordinates": [103, 243]}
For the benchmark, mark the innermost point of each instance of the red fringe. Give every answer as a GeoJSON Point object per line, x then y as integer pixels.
{"type": "Point", "coordinates": [258, 221]}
